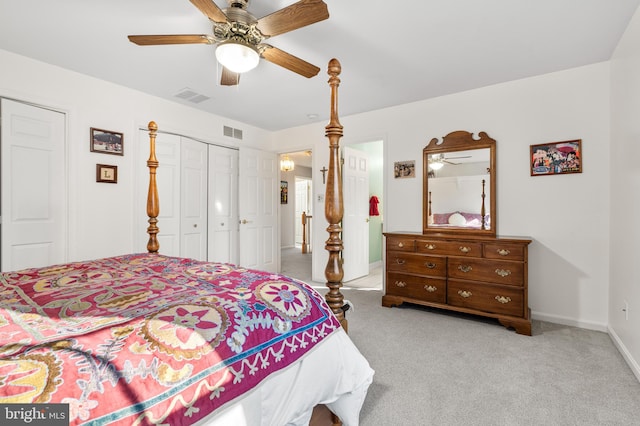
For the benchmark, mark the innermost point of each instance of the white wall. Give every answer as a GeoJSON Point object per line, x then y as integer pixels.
{"type": "Point", "coordinates": [566, 216]}
{"type": "Point", "coordinates": [625, 195]}
{"type": "Point", "coordinates": [101, 216]}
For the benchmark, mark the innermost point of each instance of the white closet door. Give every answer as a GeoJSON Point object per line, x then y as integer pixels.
{"type": "Point", "coordinates": [168, 181]}
{"type": "Point", "coordinates": [258, 207]}
{"type": "Point", "coordinates": [223, 205]}
{"type": "Point", "coordinates": [355, 221]}
{"type": "Point", "coordinates": [193, 199]}
{"type": "Point", "coordinates": [34, 197]}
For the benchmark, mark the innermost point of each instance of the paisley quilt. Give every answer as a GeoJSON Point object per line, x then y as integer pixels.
{"type": "Point", "coordinates": [149, 339]}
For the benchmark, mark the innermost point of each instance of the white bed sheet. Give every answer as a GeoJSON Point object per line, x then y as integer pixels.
{"type": "Point", "coordinates": [333, 373]}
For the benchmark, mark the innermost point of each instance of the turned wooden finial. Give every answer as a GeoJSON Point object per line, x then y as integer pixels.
{"type": "Point", "coordinates": [153, 205]}
{"type": "Point", "coordinates": [333, 208]}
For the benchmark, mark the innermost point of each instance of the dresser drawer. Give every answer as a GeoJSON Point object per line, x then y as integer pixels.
{"type": "Point", "coordinates": [449, 248]}
{"type": "Point", "coordinates": [486, 297]}
{"type": "Point", "coordinates": [401, 244]}
{"type": "Point", "coordinates": [507, 251]}
{"type": "Point", "coordinates": [493, 271]}
{"type": "Point", "coordinates": [427, 289]}
{"type": "Point", "coordinates": [417, 264]}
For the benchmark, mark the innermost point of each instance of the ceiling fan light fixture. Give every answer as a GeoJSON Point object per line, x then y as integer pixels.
{"type": "Point", "coordinates": [237, 57]}
{"type": "Point", "coordinates": [436, 165]}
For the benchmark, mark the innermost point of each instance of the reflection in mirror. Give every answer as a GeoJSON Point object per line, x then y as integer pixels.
{"type": "Point", "coordinates": [459, 184]}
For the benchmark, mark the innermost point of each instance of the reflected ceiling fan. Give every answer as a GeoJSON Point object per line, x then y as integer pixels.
{"type": "Point", "coordinates": [240, 36]}
{"type": "Point", "coordinates": [436, 161]}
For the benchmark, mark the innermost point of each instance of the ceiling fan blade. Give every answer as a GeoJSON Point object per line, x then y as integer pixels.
{"type": "Point", "coordinates": [150, 40]}
{"type": "Point", "coordinates": [298, 15]}
{"type": "Point", "coordinates": [288, 61]}
{"type": "Point", "coordinates": [210, 9]}
{"type": "Point", "coordinates": [229, 78]}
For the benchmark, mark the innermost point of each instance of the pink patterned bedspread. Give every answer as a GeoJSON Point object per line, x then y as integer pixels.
{"type": "Point", "coordinates": [147, 339]}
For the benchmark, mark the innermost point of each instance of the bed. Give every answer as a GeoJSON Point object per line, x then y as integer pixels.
{"type": "Point", "coordinates": [145, 338]}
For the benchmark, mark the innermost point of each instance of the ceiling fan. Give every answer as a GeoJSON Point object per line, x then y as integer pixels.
{"type": "Point", "coordinates": [240, 36]}
{"type": "Point", "coordinates": [436, 161]}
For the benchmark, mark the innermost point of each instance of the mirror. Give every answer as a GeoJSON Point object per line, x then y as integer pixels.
{"type": "Point", "coordinates": [460, 185]}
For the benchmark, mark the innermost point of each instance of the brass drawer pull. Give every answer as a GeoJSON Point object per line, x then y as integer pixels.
{"type": "Point", "coordinates": [503, 299]}
{"type": "Point", "coordinates": [430, 265]}
{"type": "Point", "coordinates": [401, 284]}
{"type": "Point", "coordinates": [400, 245]}
{"type": "Point", "coordinates": [400, 261]}
{"type": "Point", "coordinates": [465, 268]}
{"type": "Point", "coordinates": [503, 252]}
{"type": "Point", "coordinates": [503, 272]}
{"type": "Point", "coordinates": [430, 246]}
{"type": "Point", "coordinates": [465, 293]}
{"type": "Point", "coordinates": [465, 249]}
{"type": "Point", "coordinates": [430, 288]}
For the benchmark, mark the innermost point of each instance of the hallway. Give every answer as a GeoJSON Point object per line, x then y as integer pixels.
{"type": "Point", "coordinates": [298, 265]}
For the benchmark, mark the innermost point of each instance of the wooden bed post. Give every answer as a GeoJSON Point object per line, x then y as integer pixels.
{"type": "Point", "coordinates": [333, 206]}
{"type": "Point", "coordinates": [153, 206]}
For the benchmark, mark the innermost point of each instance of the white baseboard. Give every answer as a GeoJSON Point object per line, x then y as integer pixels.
{"type": "Point", "coordinates": [556, 319]}
{"type": "Point", "coordinates": [375, 265]}
{"type": "Point", "coordinates": [625, 353]}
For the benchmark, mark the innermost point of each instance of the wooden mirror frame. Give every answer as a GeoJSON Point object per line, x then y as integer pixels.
{"type": "Point", "coordinates": [460, 141]}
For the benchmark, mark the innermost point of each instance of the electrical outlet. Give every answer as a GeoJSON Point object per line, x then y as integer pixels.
{"type": "Point", "coordinates": [626, 310]}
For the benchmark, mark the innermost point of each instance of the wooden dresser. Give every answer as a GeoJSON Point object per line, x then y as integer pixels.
{"type": "Point", "coordinates": [479, 275]}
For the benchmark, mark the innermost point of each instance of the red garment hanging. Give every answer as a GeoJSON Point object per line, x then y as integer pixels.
{"type": "Point", "coordinates": [373, 206]}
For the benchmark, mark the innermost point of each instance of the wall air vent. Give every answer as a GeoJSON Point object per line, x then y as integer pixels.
{"type": "Point", "coordinates": [232, 133]}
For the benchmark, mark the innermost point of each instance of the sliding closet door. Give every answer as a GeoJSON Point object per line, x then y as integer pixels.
{"type": "Point", "coordinates": [223, 205]}
{"type": "Point", "coordinates": [168, 181]}
{"type": "Point", "coordinates": [193, 199]}
{"type": "Point", "coordinates": [34, 197]}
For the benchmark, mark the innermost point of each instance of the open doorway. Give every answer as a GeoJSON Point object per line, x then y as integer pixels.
{"type": "Point", "coordinates": [296, 180]}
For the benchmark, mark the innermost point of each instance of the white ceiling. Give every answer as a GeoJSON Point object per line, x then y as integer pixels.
{"type": "Point", "coordinates": [392, 52]}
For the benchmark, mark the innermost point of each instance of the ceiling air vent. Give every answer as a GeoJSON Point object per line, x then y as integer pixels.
{"type": "Point", "coordinates": [191, 96]}
{"type": "Point", "coordinates": [232, 133]}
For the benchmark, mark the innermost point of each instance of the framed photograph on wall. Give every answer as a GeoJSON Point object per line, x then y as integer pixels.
{"type": "Point", "coordinates": [106, 173]}
{"type": "Point", "coordinates": [556, 158]}
{"type": "Point", "coordinates": [107, 142]}
{"type": "Point", "coordinates": [284, 192]}
{"type": "Point", "coordinates": [404, 169]}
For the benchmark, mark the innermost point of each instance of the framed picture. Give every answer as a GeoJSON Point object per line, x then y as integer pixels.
{"type": "Point", "coordinates": [107, 142]}
{"type": "Point", "coordinates": [284, 192]}
{"type": "Point", "coordinates": [106, 173]}
{"type": "Point", "coordinates": [404, 169]}
{"type": "Point", "coordinates": [556, 158]}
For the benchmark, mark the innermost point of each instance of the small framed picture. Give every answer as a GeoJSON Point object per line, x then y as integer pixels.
{"type": "Point", "coordinates": [106, 173]}
{"type": "Point", "coordinates": [284, 192]}
{"type": "Point", "coordinates": [107, 142]}
{"type": "Point", "coordinates": [556, 158]}
{"type": "Point", "coordinates": [404, 169]}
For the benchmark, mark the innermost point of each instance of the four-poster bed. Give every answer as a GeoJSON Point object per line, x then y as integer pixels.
{"type": "Point", "coordinates": [152, 339]}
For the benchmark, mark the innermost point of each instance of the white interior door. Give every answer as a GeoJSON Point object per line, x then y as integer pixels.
{"type": "Point", "coordinates": [303, 204]}
{"type": "Point", "coordinates": [223, 205]}
{"type": "Point", "coordinates": [355, 221]}
{"type": "Point", "coordinates": [258, 211]}
{"type": "Point", "coordinates": [193, 199]}
{"type": "Point", "coordinates": [168, 182]}
{"type": "Point", "coordinates": [34, 195]}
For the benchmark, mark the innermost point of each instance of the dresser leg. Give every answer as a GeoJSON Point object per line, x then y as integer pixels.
{"type": "Point", "coordinates": [520, 326]}
{"type": "Point", "coordinates": [391, 301]}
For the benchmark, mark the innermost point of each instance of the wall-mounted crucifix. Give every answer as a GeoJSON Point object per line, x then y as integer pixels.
{"type": "Point", "coordinates": [323, 170]}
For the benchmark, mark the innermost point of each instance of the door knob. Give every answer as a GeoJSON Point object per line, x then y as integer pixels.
{"type": "Point", "coordinates": [367, 220]}
{"type": "Point", "coordinates": [245, 221]}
